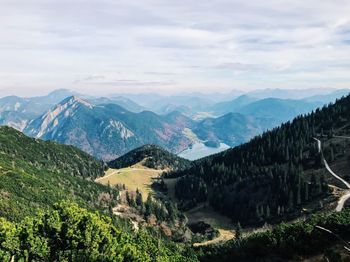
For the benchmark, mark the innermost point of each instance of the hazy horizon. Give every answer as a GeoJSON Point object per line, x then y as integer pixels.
{"type": "Point", "coordinates": [105, 47]}
{"type": "Point", "coordinates": [233, 92]}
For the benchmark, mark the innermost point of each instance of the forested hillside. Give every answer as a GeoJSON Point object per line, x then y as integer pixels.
{"type": "Point", "coordinates": [274, 174]}
{"type": "Point", "coordinates": [36, 174]}
{"type": "Point", "coordinates": [49, 155]}
{"type": "Point", "coordinates": [322, 237]}
{"type": "Point", "coordinates": [153, 157]}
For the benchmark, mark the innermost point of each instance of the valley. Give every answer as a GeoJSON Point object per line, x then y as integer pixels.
{"type": "Point", "coordinates": [139, 177]}
{"type": "Point", "coordinates": [175, 131]}
{"type": "Point", "coordinates": [271, 182]}
{"type": "Point", "coordinates": [258, 184]}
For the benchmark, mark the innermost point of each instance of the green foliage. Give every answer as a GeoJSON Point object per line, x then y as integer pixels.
{"type": "Point", "coordinates": [49, 155]}
{"type": "Point", "coordinates": [36, 174]}
{"type": "Point", "coordinates": [238, 232]}
{"type": "Point", "coordinates": [70, 233]}
{"type": "Point", "coordinates": [154, 156]}
{"type": "Point", "coordinates": [286, 242]}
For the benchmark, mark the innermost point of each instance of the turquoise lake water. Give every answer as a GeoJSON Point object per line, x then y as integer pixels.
{"type": "Point", "coordinates": [200, 150]}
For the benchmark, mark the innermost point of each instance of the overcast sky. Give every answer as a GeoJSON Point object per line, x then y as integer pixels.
{"type": "Point", "coordinates": [107, 46]}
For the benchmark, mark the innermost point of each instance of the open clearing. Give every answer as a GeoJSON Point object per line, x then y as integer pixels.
{"type": "Point", "coordinates": [141, 177]}
{"type": "Point", "coordinates": [133, 177]}
{"type": "Point", "coordinates": [208, 215]}
{"type": "Point", "coordinates": [205, 213]}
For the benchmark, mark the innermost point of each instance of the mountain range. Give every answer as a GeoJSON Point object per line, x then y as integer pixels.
{"type": "Point", "coordinates": [108, 127]}
{"type": "Point", "coordinates": [108, 130]}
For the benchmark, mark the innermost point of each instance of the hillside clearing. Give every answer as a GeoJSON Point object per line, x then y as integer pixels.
{"type": "Point", "coordinates": [133, 177]}
{"type": "Point", "coordinates": [208, 215]}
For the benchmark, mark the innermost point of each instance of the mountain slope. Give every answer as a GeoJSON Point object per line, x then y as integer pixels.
{"type": "Point", "coordinates": [108, 131]}
{"type": "Point", "coordinates": [124, 102]}
{"type": "Point", "coordinates": [274, 110]}
{"type": "Point", "coordinates": [289, 93]}
{"type": "Point", "coordinates": [328, 97]}
{"type": "Point", "coordinates": [233, 105]}
{"type": "Point", "coordinates": [232, 129]}
{"type": "Point", "coordinates": [36, 174]}
{"type": "Point", "coordinates": [275, 175]}
{"type": "Point", "coordinates": [17, 111]}
{"type": "Point", "coordinates": [278, 110]}
{"type": "Point", "coordinates": [153, 157]}
{"type": "Point", "coordinates": [14, 119]}
{"type": "Point", "coordinates": [188, 104]}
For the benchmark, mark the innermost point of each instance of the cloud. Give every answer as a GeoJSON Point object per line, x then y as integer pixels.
{"type": "Point", "coordinates": [187, 45]}
{"type": "Point", "coordinates": [130, 82]}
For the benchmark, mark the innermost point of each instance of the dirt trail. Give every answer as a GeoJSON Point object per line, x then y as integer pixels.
{"type": "Point", "coordinates": [346, 196]}
{"type": "Point", "coordinates": [116, 171]}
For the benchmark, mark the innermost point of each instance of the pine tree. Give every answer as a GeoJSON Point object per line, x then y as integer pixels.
{"type": "Point", "coordinates": [238, 232]}
{"type": "Point", "coordinates": [139, 201]}
{"type": "Point", "coordinates": [149, 206]}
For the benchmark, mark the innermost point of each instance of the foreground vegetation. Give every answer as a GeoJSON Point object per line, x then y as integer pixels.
{"type": "Point", "coordinates": [288, 242]}
{"type": "Point", "coordinates": [70, 233]}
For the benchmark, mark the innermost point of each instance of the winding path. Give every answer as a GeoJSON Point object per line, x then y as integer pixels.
{"type": "Point", "coordinates": [346, 196]}
{"type": "Point", "coordinates": [117, 171]}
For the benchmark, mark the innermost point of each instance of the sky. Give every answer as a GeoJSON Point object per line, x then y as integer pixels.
{"type": "Point", "coordinates": [172, 46]}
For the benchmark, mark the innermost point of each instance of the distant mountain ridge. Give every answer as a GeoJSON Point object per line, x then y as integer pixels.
{"type": "Point", "coordinates": [233, 105]}
{"type": "Point", "coordinates": [277, 109]}
{"type": "Point", "coordinates": [108, 131]}
{"type": "Point", "coordinates": [231, 128]}
{"type": "Point", "coordinates": [108, 127]}
{"type": "Point", "coordinates": [18, 111]}
{"type": "Point", "coordinates": [121, 101]}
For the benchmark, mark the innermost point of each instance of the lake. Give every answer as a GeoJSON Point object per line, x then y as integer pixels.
{"type": "Point", "coordinates": [200, 150]}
